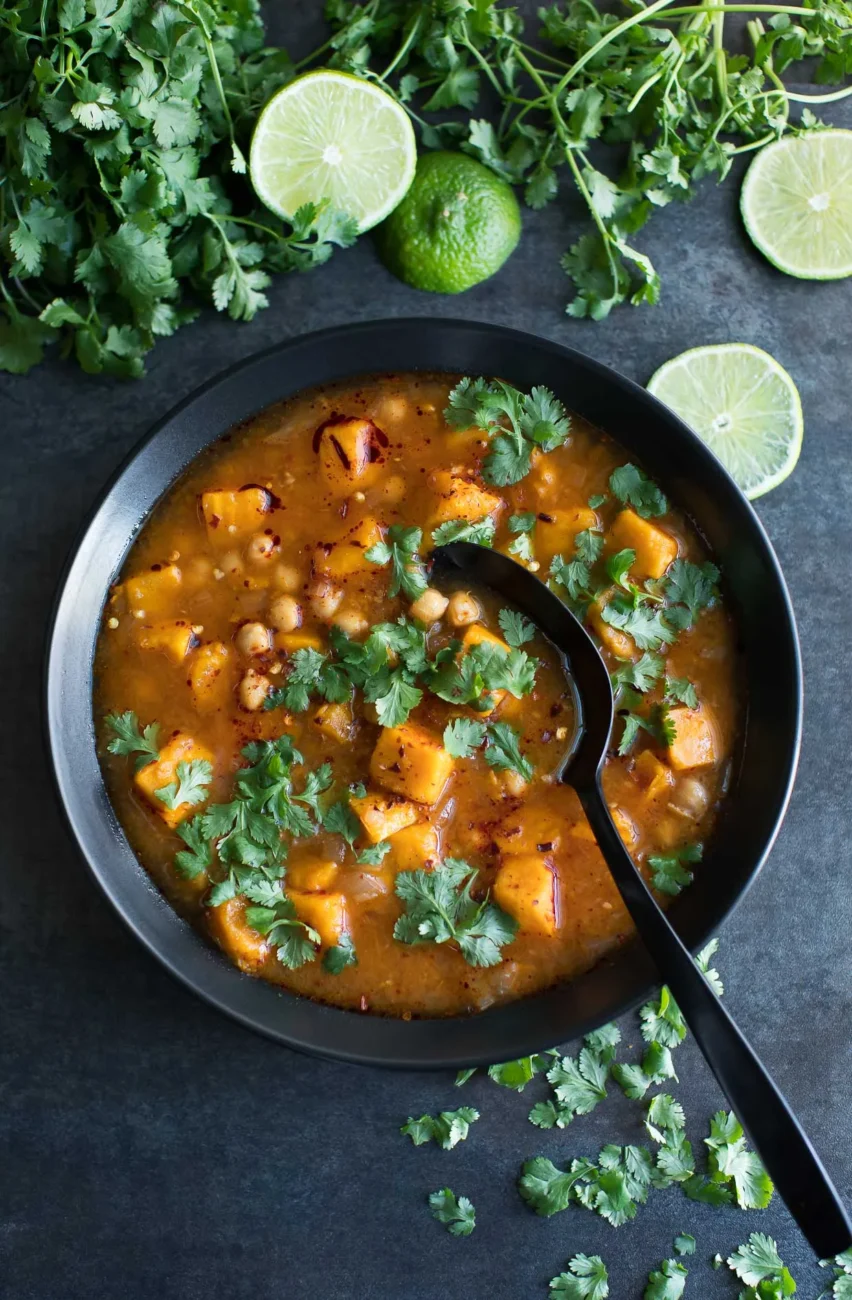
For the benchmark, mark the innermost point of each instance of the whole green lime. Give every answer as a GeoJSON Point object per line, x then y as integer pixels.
{"type": "Point", "coordinates": [455, 227]}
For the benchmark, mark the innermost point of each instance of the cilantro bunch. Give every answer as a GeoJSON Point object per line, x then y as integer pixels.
{"type": "Point", "coordinates": [124, 204]}
{"type": "Point", "coordinates": [627, 110]}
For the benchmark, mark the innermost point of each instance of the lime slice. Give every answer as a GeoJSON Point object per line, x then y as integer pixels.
{"type": "Point", "coordinates": [796, 203]}
{"type": "Point", "coordinates": [329, 135]}
{"type": "Point", "coordinates": [742, 404]}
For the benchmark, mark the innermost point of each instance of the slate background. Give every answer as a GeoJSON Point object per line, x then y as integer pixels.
{"type": "Point", "coordinates": [149, 1146]}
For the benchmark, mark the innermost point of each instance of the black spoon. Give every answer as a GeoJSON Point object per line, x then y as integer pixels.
{"type": "Point", "coordinates": [791, 1161]}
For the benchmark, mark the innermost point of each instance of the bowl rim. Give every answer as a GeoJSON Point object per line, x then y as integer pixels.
{"type": "Point", "coordinates": [254, 1003]}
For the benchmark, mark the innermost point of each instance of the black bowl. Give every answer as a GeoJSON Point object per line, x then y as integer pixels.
{"type": "Point", "coordinates": [694, 479]}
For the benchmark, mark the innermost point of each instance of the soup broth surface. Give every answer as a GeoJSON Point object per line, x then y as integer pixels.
{"type": "Point", "coordinates": [257, 554]}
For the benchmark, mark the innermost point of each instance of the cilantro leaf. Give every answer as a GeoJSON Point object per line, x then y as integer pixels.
{"type": "Point", "coordinates": [618, 566]}
{"type": "Point", "coordinates": [130, 740]}
{"type": "Point", "coordinates": [546, 1189]}
{"type": "Point", "coordinates": [340, 956]}
{"type": "Point", "coordinates": [439, 908]}
{"type": "Point", "coordinates": [480, 531]}
{"type": "Point", "coordinates": [197, 856]}
{"type": "Point", "coordinates": [684, 1243]}
{"type": "Point", "coordinates": [462, 736]}
{"type": "Point", "coordinates": [647, 626]}
{"type": "Point", "coordinates": [310, 674]}
{"type": "Point", "coordinates": [758, 1261]}
{"type": "Point", "coordinates": [517, 1074]}
{"type": "Point", "coordinates": [681, 690]}
{"type": "Point", "coordinates": [191, 785]}
{"type": "Point", "coordinates": [691, 585]}
{"type": "Point", "coordinates": [667, 1282]}
{"type": "Point", "coordinates": [503, 751]}
{"type": "Point", "coordinates": [516, 423]}
{"type": "Point", "coordinates": [586, 1279]}
{"type": "Point", "coordinates": [374, 855]}
{"type": "Point", "coordinates": [458, 1213]}
{"type": "Point", "coordinates": [641, 675]}
{"type": "Point", "coordinates": [339, 819]}
{"type": "Point", "coordinates": [632, 487]}
{"type": "Point", "coordinates": [516, 629]}
{"type": "Point", "coordinates": [400, 550]}
{"type": "Point", "coordinates": [295, 942]}
{"type": "Point", "coordinates": [522, 544]}
{"type": "Point", "coordinates": [730, 1160]}
{"type": "Point", "coordinates": [447, 1129]}
{"type": "Point", "coordinates": [670, 872]}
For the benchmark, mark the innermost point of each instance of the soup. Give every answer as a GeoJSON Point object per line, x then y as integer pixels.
{"type": "Point", "coordinates": [347, 777]}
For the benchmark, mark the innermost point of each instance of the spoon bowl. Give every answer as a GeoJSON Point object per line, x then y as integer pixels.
{"type": "Point", "coordinates": [759, 1105]}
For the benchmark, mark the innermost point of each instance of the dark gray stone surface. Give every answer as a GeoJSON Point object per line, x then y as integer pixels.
{"type": "Point", "coordinates": [151, 1147]}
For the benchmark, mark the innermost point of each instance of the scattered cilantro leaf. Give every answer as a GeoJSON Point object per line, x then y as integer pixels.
{"type": "Point", "coordinates": [667, 1282]}
{"type": "Point", "coordinates": [586, 1279]}
{"type": "Point", "coordinates": [517, 1074]}
{"type": "Point", "coordinates": [197, 856]}
{"type": "Point", "coordinates": [633, 488]}
{"type": "Point", "coordinates": [758, 1261]}
{"type": "Point", "coordinates": [684, 1243]}
{"type": "Point", "coordinates": [400, 550]}
{"type": "Point", "coordinates": [692, 586]}
{"type": "Point", "coordinates": [295, 942]}
{"type": "Point", "coordinates": [340, 956]}
{"type": "Point", "coordinates": [190, 787]}
{"type": "Point", "coordinates": [374, 855]}
{"type": "Point", "coordinates": [681, 691]}
{"type": "Point", "coordinates": [516, 629]}
{"type": "Point", "coordinates": [462, 736]}
{"type": "Point", "coordinates": [447, 1129]}
{"type": "Point", "coordinates": [641, 675]}
{"type": "Point", "coordinates": [516, 423]}
{"type": "Point", "coordinates": [670, 872]}
{"type": "Point", "coordinates": [618, 566]}
{"type": "Point", "coordinates": [439, 908]}
{"type": "Point", "coordinates": [503, 750]}
{"type": "Point", "coordinates": [480, 531]}
{"type": "Point", "coordinates": [458, 1213]}
{"type": "Point", "coordinates": [130, 740]}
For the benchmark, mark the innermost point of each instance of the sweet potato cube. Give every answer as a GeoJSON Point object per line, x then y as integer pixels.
{"type": "Point", "coordinates": [326, 913]}
{"type": "Point", "coordinates": [311, 877]}
{"type": "Point", "coordinates": [694, 744]}
{"type": "Point", "coordinates": [530, 829]}
{"type": "Point", "coordinates": [459, 498]}
{"type": "Point", "coordinates": [619, 643]}
{"type": "Point", "coordinates": [290, 642]}
{"type": "Point", "coordinates": [230, 516]}
{"type": "Point", "coordinates": [209, 678]}
{"type": "Point", "coordinates": [228, 925]}
{"type": "Point", "coordinates": [556, 530]}
{"type": "Point", "coordinates": [383, 815]}
{"type": "Point", "coordinates": [342, 559]}
{"type": "Point", "coordinates": [411, 761]}
{"type": "Point", "coordinates": [151, 778]}
{"type": "Point", "coordinates": [334, 721]}
{"type": "Point", "coordinates": [350, 454]}
{"type": "Point", "coordinates": [416, 847]}
{"type": "Point", "coordinates": [655, 548]}
{"type": "Point", "coordinates": [154, 591]}
{"type": "Point", "coordinates": [175, 640]}
{"type": "Point", "coordinates": [652, 774]}
{"type": "Point", "coordinates": [526, 888]}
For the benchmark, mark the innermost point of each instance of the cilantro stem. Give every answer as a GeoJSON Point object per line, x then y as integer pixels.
{"type": "Point", "coordinates": [640, 16]}
{"type": "Point", "coordinates": [410, 38]}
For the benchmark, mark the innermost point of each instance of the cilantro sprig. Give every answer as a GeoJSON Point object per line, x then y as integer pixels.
{"type": "Point", "coordinates": [129, 739]}
{"type": "Point", "coordinates": [516, 423]}
{"type": "Point", "coordinates": [586, 1279]}
{"type": "Point", "coordinates": [191, 785]}
{"type": "Point", "coordinates": [400, 550]}
{"type": "Point", "coordinates": [440, 908]}
{"type": "Point", "coordinates": [446, 1129]}
{"type": "Point", "coordinates": [463, 736]}
{"type": "Point", "coordinates": [457, 1213]}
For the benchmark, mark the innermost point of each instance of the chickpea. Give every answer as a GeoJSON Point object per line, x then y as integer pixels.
{"type": "Point", "coordinates": [391, 490]}
{"type": "Point", "coordinates": [391, 409]}
{"type": "Point", "coordinates": [232, 563]}
{"type": "Point", "coordinates": [429, 607]}
{"type": "Point", "coordinates": [262, 548]}
{"type": "Point", "coordinates": [285, 614]}
{"type": "Point", "coordinates": [253, 639]}
{"type": "Point", "coordinates": [351, 622]}
{"type": "Point", "coordinates": [463, 609]}
{"type": "Point", "coordinates": [198, 572]}
{"type": "Point", "coordinates": [287, 577]}
{"type": "Point", "coordinates": [691, 798]}
{"type": "Point", "coordinates": [325, 600]}
{"type": "Point", "coordinates": [254, 689]}
{"type": "Point", "coordinates": [514, 783]}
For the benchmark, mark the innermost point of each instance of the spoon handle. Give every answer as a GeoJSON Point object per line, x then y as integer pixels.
{"type": "Point", "coordinates": [786, 1151]}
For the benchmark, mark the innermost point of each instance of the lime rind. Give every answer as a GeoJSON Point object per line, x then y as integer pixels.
{"type": "Point", "coordinates": [331, 135]}
{"type": "Point", "coordinates": [796, 204]}
{"type": "Point", "coordinates": [742, 404]}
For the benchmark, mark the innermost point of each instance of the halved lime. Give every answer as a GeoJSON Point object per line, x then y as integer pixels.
{"type": "Point", "coordinates": [742, 404]}
{"type": "Point", "coordinates": [329, 135]}
{"type": "Point", "coordinates": [796, 203]}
